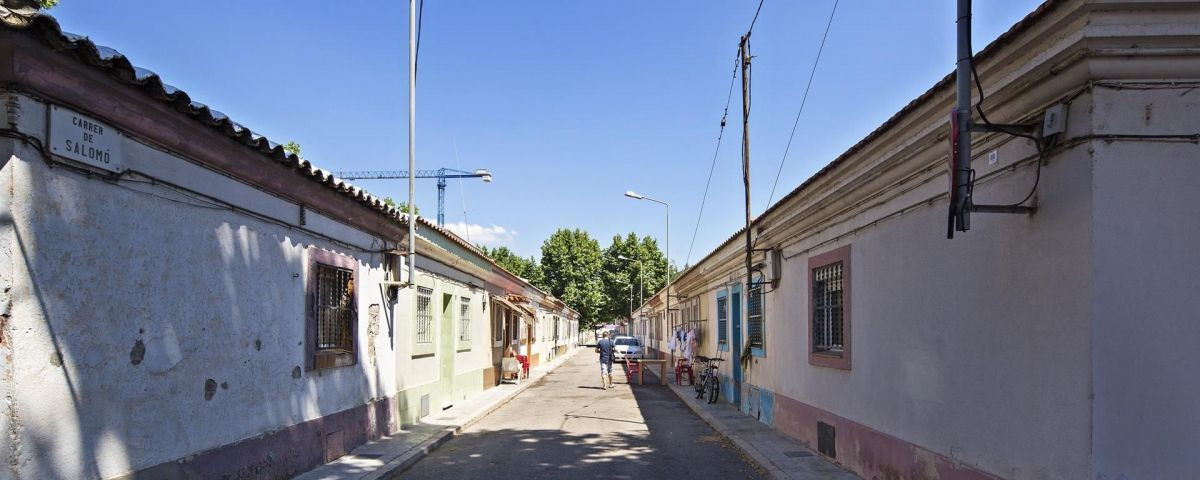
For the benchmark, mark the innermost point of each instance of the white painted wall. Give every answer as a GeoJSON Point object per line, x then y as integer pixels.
{"type": "Point", "coordinates": [1147, 275]}
{"type": "Point", "coordinates": [96, 267]}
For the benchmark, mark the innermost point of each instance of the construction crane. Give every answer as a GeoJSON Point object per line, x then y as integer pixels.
{"type": "Point", "coordinates": [440, 174]}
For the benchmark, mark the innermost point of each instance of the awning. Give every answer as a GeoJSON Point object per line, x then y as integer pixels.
{"type": "Point", "coordinates": [511, 302]}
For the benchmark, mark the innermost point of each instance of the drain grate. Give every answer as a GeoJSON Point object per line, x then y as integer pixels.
{"type": "Point", "coordinates": [798, 454]}
{"type": "Point", "coordinates": [367, 456]}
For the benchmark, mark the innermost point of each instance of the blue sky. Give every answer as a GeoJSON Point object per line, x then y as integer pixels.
{"type": "Point", "coordinates": [569, 103]}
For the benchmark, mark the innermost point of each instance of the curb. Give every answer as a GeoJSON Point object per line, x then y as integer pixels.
{"type": "Point", "coordinates": [394, 468]}
{"type": "Point", "coordinates": [760, 460]}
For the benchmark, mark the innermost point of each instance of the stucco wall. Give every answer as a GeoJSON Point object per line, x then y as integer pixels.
{"type": "Point", "coordinates": [148, 323]}
{"type": "Point", "coordinates": [1147, 275]}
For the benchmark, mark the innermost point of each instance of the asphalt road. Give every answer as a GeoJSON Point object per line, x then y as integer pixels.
{"type": "Point", "coordinates": [566, 426]}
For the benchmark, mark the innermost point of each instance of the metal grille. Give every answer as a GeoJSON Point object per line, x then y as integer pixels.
{"type": "Point", "coordinates": [335, 307]}
{"type": "Point", "coordinates": [424, 315]}
{"type": "Point", "coordinates": [827, 308]}
{"type": "Point", "coordinates": [464, 319]}
{"type": "Point", "coordinates": [556, 324]}
{"type": "Point", "coordinates": [754, 317]}
{"type": "Point", "coordinates": [723, 320]}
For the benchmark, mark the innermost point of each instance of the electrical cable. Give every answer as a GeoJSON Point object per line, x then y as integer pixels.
{"type": "Point", "coordinates": [420, 17]}
{"type": "Point", "coordinates": [1037, 142]}
{"type": "Point", "coordinates": [803, 100]}
{"type": "Point", "coordinates": [713, 167]}
{"type": "Point", "coordinates": [755, 19]}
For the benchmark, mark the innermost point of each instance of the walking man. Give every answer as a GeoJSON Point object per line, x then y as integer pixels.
{"type": "Point", "coordinates": [605, 348]}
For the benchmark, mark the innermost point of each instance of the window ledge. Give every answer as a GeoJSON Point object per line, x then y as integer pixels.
{"type": "Point", "coordinates": [333, 359]}
{"type": "Point", "coordinates": [829, 360]}
{"type": "Point", "coordinates": [758, 352]}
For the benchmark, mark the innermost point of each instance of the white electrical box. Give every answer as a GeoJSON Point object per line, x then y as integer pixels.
{"type": "Point", "coordinates": [1055, 120]}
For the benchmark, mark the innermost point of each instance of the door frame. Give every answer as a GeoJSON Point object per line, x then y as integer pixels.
{"type": "Point", "coordinates": [735, 345]}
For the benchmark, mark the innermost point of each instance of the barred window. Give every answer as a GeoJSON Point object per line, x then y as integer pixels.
{"type": "Point", "coordinates": [827, 303]}
{"type": "Point", "coordinates": [424, 322]}
{"type": "Point", "coordinates": [335, 309]}
{"type": "Point", "coordinates": [556, 325]}
{"type": "Point", "coordinates": [754, 317]}
{"type": "Point", "coordinates": [723, 320]}
{"type": "Point", "coordinates": [464, 319]}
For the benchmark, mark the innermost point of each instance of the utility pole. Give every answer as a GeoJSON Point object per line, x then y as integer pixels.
{"type": "Point", "coordinates": [744, 53]}
{"type": "Point", "coordinates": [412, 150]}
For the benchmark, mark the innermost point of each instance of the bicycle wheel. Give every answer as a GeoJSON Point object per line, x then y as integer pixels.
{"type": "Point", "coordinates": [714, 389]}
{"type": "Point", "coordinates": [700, 387]}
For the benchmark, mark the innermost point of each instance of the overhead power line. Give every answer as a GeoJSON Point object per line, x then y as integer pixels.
{"type": "Point", "coordinates": [803, 100]}
{"type": "Point", "coordinates": [720, 135]}
{"type": "Point", "coordinates": [713, 167]}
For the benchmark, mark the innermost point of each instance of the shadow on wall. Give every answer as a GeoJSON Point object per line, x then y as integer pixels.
{"type": "Point", "coordinates": [148, 328]}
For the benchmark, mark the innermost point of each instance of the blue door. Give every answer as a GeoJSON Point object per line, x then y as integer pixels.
{"type": "Point", "coordinates": [735, 348]}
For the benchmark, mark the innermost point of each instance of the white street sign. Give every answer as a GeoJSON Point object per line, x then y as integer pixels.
{"type": "Point", "coordinates": [83, 139]}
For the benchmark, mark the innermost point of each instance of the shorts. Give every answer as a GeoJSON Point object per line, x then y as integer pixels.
{"type": "Point", "coordinates": [606, 368]}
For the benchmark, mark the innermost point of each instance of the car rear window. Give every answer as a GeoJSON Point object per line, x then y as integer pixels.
{"type": "Point", "coordinates": [627, 341]}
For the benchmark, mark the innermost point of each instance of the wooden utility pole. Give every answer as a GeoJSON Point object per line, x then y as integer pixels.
{"type": "Point", "coordinates": [744, 54]}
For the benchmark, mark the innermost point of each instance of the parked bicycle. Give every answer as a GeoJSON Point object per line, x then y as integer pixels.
{"type": "Point", "coordinates": [708, 383]}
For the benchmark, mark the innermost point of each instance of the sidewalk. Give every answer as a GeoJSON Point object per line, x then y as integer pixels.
{"type": "Point", "coordinates": [388, 456]}
{"type": "Point", "coordinates": [779, 456]}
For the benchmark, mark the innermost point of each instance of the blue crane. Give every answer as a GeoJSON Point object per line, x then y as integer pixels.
{"type": "Point", "coordinates": [440, 174]}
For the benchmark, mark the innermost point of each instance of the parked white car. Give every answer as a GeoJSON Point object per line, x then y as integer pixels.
{"type": "Point", "coordinates": [626, 348]}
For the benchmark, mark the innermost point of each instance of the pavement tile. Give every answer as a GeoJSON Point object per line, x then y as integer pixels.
{"type": "Point", "coordinates": [389, 455]}
{"type": "Point", "coordinates": [779, 456]}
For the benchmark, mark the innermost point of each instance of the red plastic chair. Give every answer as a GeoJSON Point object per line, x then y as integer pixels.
{"type": "Point", "coordinates": [632, 368]}
{"type": "Point", "coordinates": [524, 364]}
{"type": "Point", "coordinates": [682, 366]}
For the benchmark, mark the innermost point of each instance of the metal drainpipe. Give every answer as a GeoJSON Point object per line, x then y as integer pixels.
{"type": "Point", "coordinates": [962, 174]}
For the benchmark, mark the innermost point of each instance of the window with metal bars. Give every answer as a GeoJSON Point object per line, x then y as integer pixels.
{"type": "Point", "coordinates": [754, 317]}
{"type": "Point", "coordinates": [424, 323]}
{"type": "Point", "coordinates": [723, 320]}
{"type": "Point", "coordinates": [464, 319]}
{"type": "Point", "coordinates": [827, 301]}
{"type": "Point", "coordinates": [335, 309]}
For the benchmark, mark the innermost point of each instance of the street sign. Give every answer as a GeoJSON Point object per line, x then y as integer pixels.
{"type": "Point", "coordinates": [84, 139]}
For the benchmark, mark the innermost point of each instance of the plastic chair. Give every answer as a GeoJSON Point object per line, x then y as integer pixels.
{"type": "Point", "coordinates": [524, 364]}
{"type": "Point", "coordinates": [632, 369]}
{"type": "Point", "coordinates": [510, 366]}
{"type": "Point", "coordinates": [682, 366]}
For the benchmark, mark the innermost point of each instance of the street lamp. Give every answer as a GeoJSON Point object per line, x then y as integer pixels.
{"type": "Point", "coordinates": [641, 285]}
{"type": "Point", "coordinates": [630, 294]}
{"type": "Point", "coordinates": [667, 241]}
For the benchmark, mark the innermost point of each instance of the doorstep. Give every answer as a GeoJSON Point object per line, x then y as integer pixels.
{"type": "Point", "coordinates": [392, 454]}
{"type": "Point", "coordinates": [780, 457]}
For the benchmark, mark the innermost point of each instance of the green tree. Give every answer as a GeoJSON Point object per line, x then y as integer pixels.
{"type": "Point", "coordinates": [573, 267]}
{"type": "Point", "coordinates": [48, 4]}
{"type": "Point", "coordinates": [526, 268]}
{"type": "Point", "coordinates": [290, 147]}
{"type": "Point", "coordinates": [635, 261]}
{"type": "Point", "coordinates": [402, 206]}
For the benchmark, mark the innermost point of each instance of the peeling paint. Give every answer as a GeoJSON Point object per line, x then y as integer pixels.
{"type": "Point", "coordinates": [138, 353]}
{"type": "Point", "coordinates": [372, 331]}
{"type": "Point", "coordinates": [56, 359]}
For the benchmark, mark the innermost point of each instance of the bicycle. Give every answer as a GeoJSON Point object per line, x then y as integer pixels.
{"type": "Point", "coordinates": [708, 383]}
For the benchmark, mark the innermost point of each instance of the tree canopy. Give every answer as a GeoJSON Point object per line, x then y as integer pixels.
{"type": "Point", "coordinates": [527, 268]}
{"type": "Point", "coordinates": [572, 265]}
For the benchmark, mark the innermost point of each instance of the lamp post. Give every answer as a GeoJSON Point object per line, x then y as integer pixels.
{"type": "Point", "coordinates": [630, 294]}
{"type": "Point", "coordinates": [667, 241]}
{"type": "Point", "coordinates": [641, 285]}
